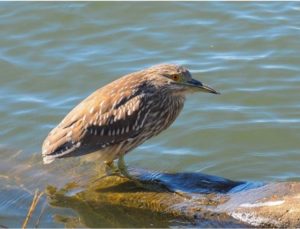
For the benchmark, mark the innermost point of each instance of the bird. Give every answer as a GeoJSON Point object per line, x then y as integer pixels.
{"type": "Point", "coordinates": [123, 114]}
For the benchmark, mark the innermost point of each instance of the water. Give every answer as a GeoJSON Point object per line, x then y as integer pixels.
{"type": "Point", "coordinates": [55, 54]}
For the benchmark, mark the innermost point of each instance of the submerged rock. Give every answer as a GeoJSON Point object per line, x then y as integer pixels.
{"type": "Point", "coordinates": [192, 199]}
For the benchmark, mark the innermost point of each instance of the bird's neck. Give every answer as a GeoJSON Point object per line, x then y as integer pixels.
{"type": "Point", "coordinates": [175, 103]}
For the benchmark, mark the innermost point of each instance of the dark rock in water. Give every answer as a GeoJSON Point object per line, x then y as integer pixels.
{"type": "Point", "coordinates": [190, 182]}
{"type": "Point", "coordinates": [187, 199]}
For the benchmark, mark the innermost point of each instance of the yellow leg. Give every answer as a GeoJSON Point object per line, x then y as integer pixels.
{"type": "Point", "coordinates": [109, 170]}
{"type": "Point", "coordinates": [123, 169]}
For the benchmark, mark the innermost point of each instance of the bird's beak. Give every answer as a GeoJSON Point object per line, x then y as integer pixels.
{"type": "Point", "coordinates": [201, 87]}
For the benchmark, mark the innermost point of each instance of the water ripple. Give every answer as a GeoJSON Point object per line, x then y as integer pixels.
{"type": "Point", "coordinates": [54, 55]}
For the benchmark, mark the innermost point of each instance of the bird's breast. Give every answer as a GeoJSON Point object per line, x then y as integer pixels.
{"type": "Point", "coordinates": [163, 114]}
{"type": "Point", "coordinates": [158, 117]}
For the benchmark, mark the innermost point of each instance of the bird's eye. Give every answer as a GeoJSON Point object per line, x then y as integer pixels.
{"type": "Point", "coordinates": [175, 77]}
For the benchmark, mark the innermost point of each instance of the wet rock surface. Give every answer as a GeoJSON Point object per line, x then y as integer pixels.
{"type": "Point", "coordinates": [273, 205]}
{"type": "Point", "coordinates": [190, 199]}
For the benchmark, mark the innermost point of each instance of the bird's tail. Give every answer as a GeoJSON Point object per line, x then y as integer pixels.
{"type": "Point", "coordinates": [47, 159]}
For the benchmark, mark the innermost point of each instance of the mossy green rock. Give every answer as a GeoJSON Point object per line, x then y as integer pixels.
{"type": "Point", "coordinates": [220, 202]}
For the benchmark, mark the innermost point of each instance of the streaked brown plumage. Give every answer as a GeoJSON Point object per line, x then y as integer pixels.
{"type": "Point", "coordinates": [123, 114]}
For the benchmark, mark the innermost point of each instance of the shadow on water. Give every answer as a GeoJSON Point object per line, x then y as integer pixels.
{"type": "Point", "coordinates": [180, 199]}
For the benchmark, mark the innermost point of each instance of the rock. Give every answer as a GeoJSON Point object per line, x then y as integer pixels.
{"type": "Point", "coordinates": [273, 205]}
{"type": "Point", "coordinates": [190, 198]}
{"type": "Point", "coordinates": [180, 199]}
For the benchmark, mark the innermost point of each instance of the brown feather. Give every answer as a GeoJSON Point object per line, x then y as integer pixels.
{"type": "Point", "coordinates": [116, 117]}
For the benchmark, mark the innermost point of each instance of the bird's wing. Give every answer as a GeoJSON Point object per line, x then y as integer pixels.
{"type": "Point", "coordinates": [97, 122]}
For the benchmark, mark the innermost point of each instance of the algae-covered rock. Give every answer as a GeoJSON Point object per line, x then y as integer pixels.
{"type": "Point", "coordinates": [120, 202]}
{"type": "Point", "coordinates": [182, 199]}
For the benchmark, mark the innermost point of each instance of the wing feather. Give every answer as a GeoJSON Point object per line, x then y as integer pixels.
{"type": "Point", "coordinates": [99, 121]}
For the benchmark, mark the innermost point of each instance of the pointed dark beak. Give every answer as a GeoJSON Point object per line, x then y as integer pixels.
{"type": "Point", "coordinates": [202, 87]}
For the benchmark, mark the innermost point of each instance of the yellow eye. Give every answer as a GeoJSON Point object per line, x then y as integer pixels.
{"type": "Point", "coordinates": [175, 77]}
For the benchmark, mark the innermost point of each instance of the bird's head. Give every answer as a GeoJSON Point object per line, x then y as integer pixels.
{"type": "Point", "coordinates": [177, 79]}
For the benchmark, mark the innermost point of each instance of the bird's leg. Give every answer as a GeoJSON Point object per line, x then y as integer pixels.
{"type": "Point", "coordinates": [109, 170]}
{"type": "Point", "coordinates": [123, 168]}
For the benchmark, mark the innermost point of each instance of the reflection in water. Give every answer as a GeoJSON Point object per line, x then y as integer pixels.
{"type": "Point", "coordinates": [107, 215]}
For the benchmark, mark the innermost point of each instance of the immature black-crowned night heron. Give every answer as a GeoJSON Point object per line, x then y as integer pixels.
{"type": "Point", "coordinates": [123, 114]}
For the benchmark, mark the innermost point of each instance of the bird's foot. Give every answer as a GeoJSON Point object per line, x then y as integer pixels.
{"type": "Point", "coordinates": [107, 169]}
{"type": "Point", "coordinates": [111, 169]}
